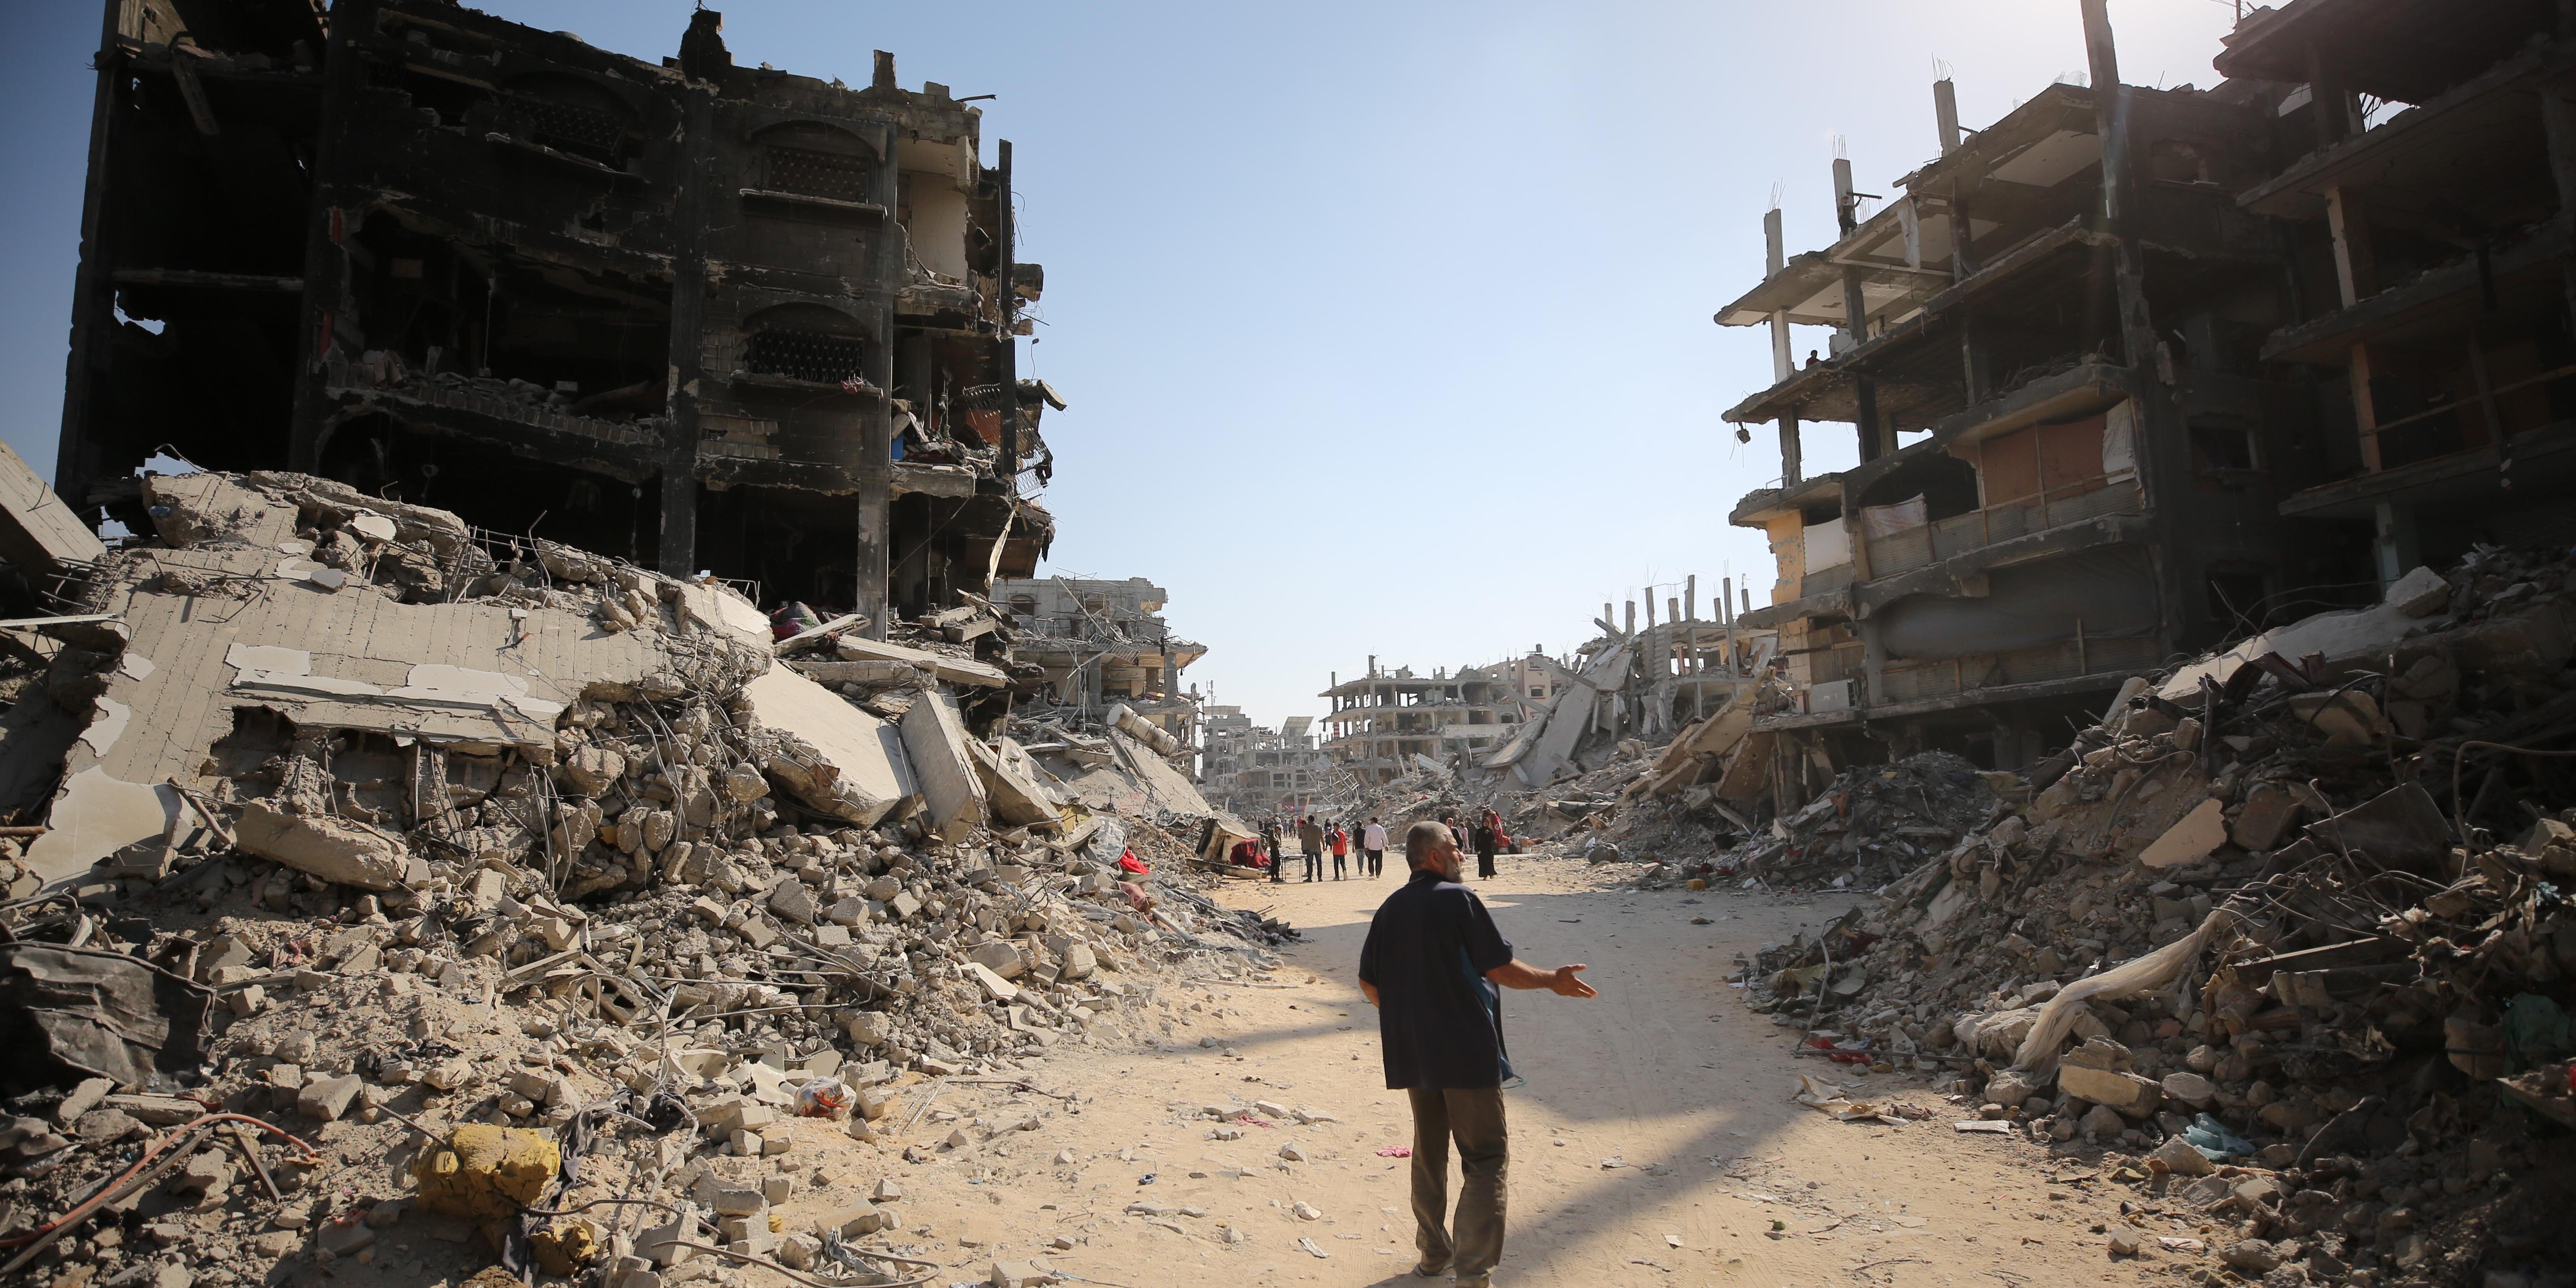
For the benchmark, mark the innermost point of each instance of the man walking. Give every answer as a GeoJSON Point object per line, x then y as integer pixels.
{"type": "Point", "coordinates": [1373, 844]}
{"type": "Point", "coordinates": [1433, 965]}
{"type": "Point", "coordinates": [1341, 848]}
{"type": "Point", "coordinates": [1310, 838]}
{"type": "Point", "coordinates": [1278, 856]}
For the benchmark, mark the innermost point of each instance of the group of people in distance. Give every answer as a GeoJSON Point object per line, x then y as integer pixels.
{"type": "Point", "coordinates": [1359, 848]}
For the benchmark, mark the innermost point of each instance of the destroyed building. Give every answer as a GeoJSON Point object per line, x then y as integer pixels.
{"type": "Point", "coordinates": [697, 315]}
{"type": "Point", "coordinates": [1656, 682]}
{"type": "Point", "coordinates": [2130, 376]}
{"type": "Point", "coordinates": [475, 851]}
{"type": "Point", "coordinates": [1257, 772]}
{"type": "Point", "coordinates": [1389, 723]}
{"type": "Point", "coordinates": [1103, 644]}
{"type": "Point", "coordinates": [2064, 312]}
{"type": "Point", "coordinates": [2432, 278]}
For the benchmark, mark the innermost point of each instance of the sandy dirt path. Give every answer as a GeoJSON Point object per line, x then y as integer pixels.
{"type": "Point", "coordinates": [1655, 1142]}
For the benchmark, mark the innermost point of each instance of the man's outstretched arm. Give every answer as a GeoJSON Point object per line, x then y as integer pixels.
{"type": "Point", "coordinates": [1561, 981]}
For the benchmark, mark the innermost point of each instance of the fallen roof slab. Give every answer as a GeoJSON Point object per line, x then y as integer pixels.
{"type": "Point", "coordinates": [38, 533]}
{"type": "Point", "coordinates": [832, 756]}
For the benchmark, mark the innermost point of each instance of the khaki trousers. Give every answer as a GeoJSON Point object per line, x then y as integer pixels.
{"type": "Point", "coordinates": [1475, 1118]}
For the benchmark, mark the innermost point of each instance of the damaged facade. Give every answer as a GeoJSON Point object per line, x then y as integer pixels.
{"type": "Point", "coordinates": [1104, 645]}
{"type": "Point", "coordinates": [1390, 723]}
{"type": "Point", "coordinates": [700, 316]}
{"type": "Point", "coordinates": [2159, 392]}
{"type": "Point", "coordinates": [1261, 773]}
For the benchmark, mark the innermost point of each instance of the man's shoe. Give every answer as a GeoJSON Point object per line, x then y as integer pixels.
{"type": "Point", "coordinates": [1429, 1271]}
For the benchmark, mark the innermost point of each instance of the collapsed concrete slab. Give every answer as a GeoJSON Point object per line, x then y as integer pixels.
{"type": "Point", "coordinates": [39, 534]}
{"type": "Point", "coordinates": [951, 790]}
{"type": "Point", "coordinates": [828, 754]}
{"type": "Point", "coordinates": [328, 631]}
{"type": "Point", "coordinates": [1015, 786]}
{"type": "Point", "coordinates": [339, 850]}
{"type": "Point", "coordinates": [2335, 636]}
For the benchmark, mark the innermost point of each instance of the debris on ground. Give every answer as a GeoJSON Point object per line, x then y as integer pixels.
{"type": "Point", "coordinates": [2283, 941]}
{"type": "Point", "coordinates": [553, 899]}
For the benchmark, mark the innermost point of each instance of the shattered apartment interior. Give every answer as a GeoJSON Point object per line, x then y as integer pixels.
{"type": "Point", "coordinates": [536, 747]}
{"type": "Point", "coordinates": [697, 316]}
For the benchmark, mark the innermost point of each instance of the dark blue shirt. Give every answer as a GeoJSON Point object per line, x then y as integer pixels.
{"type": "Point", "coordinates": [1439, 1019]}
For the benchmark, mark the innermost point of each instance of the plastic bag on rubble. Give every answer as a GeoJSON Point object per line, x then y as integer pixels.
{"type": "Point", "coordinates": [823, 1098]}
{"type": "Point", "coordinates": [1107, 843]}
{"type": "Point", "coordinates": [2214, 1141]}
{"type": "Point", "coordinates": [1127, 861]}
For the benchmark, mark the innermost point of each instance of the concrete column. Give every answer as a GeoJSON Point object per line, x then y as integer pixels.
{"type": "Point", "coordinates": [2395, 544]}
{"type": "Point", "coordinates": [2334, 108]}
{"type": "Point", "coordinates": [76, 454]}
{"type": "Point", "coordinates": [1963, 231]}
{"type": "Point", "coordinates": [1790, 462]}
{"type": "Point", "coordinates": [1775, 257]}
{"type": "Point", "coordinates": [1855, 307]}
{"type": "Point", "coordinates": [677, 551]}
{"type": "Point", "coordinates": [1945, 114]}
{"type": "Point", "coordinates": [2365, 407]}
{"type": "Point", "coordinates": [1974, 363]}
{"type": "Point", "coordinates": [1846, 202]}
{"type": "Point", "coordinates": [873, 550]}
{"type": "Point", "coordinates": [1009, 310]}
{"type": "Point", "coordinates": [1865, 419]}
{"type": "Point", "coordinates": [326, 266]}
{"type": "Point", "coordinates": [2558, 125]}
{"type": "Point", "coordinates": [2356, 265]}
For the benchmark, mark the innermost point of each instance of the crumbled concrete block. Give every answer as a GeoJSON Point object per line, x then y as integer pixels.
{"type": "Point", "coordinates": [336, 849]}
{"type": "Point", "coordinates": [2133, 1096]}
{"type": "Point", "coordinates": [88, 1095]}
{"type": "Point", "coordinates": [328, 1098]}
{"type": "Point", "coordinates": [2269, 812]}
{"type": "Point", "coordinates": [855, 1220]}
{"type": "Point", "coordinates": [994, 986]}
{"type": "Point", "coordinates": [999, 957]}
{"type": "Point", "coordinates": [2192, 839]}
{"type": "Point", "coordinates": [2190, 1088]}
{"type": "Point", "coordinates": [794, 900]}
{"type": "Point", "coordinates": [2177, 1156]}
{"type": "Point", "coordinates": [539, 1085]}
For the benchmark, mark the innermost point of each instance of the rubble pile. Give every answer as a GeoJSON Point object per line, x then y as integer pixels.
{"type": "Point", "coordinates": [497, 858]}
{"type": "Point", "coordinates": [2285, 939]}
{"type": "Point", "coordinates": [1875, 823]}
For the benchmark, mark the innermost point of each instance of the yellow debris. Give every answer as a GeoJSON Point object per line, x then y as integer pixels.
{"type": "Point", "coordinates": [563, 1248]}
{"type": "Point", "coordinates": [485, 1171]}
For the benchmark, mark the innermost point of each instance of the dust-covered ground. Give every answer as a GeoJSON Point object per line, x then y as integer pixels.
{"type": "Point", "coordinates": [1656, 1141]}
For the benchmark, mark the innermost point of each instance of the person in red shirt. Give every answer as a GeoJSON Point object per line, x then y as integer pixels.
{"type": "Point", "coordinates": [1341, 849]}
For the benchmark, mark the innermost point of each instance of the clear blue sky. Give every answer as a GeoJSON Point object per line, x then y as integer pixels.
{"type": "Point", "coordinates": [1385, 327]}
